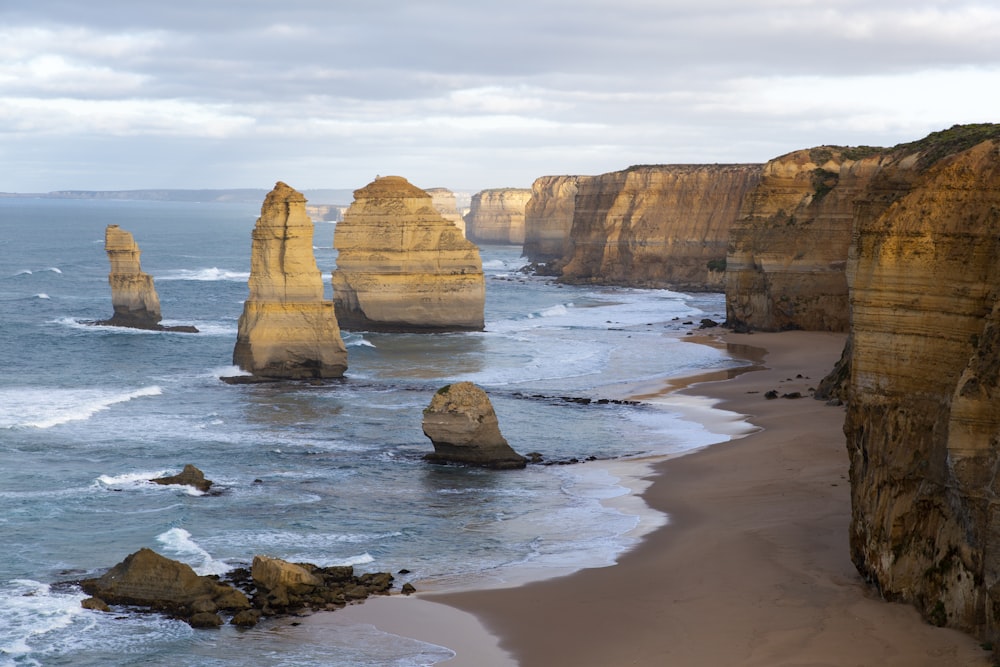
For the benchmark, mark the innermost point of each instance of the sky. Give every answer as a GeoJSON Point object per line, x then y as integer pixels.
{"type": "Point", "coordinates": [468, 94]}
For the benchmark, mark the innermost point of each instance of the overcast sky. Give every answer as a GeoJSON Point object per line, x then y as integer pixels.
{"type": "Point", "coordinates": [468, 94]}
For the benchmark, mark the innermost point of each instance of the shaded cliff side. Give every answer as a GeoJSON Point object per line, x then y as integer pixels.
{"type": "Point", "coordinates": [923, 422]}
{"type": "Point", "coordinates": [658, 226]}
{"type": "Point", "coordinates": [786, 264]}
{"type": "Point", "coordinates": [497, 216]}
{"type": "Point", "coordinates": [548, 220]}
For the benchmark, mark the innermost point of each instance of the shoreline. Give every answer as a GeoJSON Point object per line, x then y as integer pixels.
{"type": "Point", "coordinates": [751, 568]}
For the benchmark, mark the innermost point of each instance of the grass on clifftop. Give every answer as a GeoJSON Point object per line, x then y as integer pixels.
{"type": "Point", "coordinates": [955, 139]}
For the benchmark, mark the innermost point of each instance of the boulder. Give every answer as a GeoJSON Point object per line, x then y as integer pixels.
{"type": "Point", "coordinates": [287, 330]}
{"type": "Point", "coordinates": [190, 476]}
{"type": "Point", "coordinates": [274, 572]}
{"type": "Point", "coordinates": [462, 425]}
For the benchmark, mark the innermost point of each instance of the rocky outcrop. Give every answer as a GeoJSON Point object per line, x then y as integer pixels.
{"type": "Point", "coordinates": [282, 587]}
{"type": "Point", "coordinates": [497, 216]}
{"type": "Point", "coordinates": [444, 201]}
{"type": "Point", "coordinates": [658, 226]}
{"type": "Point", "coordinates": [189, 476]}
{"type": "Point", "coordinates": [462, 425]}
{"type": "Point", "coordinates": [786, 265]}
{"type": "Point", "coordinates": [402, 267]}
{"type": "Point", "coordinates": [923, 419]}
{"type": "Point", "coordinates": [287, 330]}
{"type": "Point", "coordinates": [133, 296]}
{"type": "Point", "coordinates": [548, 220]}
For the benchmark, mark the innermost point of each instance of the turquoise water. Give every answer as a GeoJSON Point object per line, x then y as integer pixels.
{"type": "Point", "coordinates": [330, 474]}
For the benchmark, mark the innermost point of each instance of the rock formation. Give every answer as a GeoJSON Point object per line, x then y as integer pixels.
{"type": "Point", "coordinates": [402, 267]}
{"type": "Point", "coordinates": [923, 419]}
{"type": "Point", "coordinates": [136, 304]}
{"type": "Point", "coordinates": [658, 226]}
{"type": "Point", "coordinates": [548, 220]}
{"type": "Point", "coordinates": [189, 476]}
{"type": "Point", "coordinates": [444, 201]}
{"type": "Point", "coordinates": [497, 216]}
{"type": "Point", "coordinates": [462, 425]}
{"type": "Point", "coordinates": [287, 329]}
{"type": "Point", "coordinates": [786, 266]}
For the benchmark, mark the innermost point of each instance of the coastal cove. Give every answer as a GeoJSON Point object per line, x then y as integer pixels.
{"type": "Point", "coordinates": [330, 474]}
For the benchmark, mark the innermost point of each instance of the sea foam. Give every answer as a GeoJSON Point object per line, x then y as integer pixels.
{"type": "Point", "coordinates": [178, 542]}
{"type": "Point", "coordinates": [209, 274]}
{"type": "Point", "coordinates": [47, 407]}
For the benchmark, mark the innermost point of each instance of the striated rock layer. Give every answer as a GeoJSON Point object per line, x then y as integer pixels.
{"type": "Point", "coordinates": [923, 422]}
{"type": "Point", "coordinates": [548, 220]}
{"type": "Point", "coordinates": [287, 329]}
{"type": "Point", "coordinates": [786, 265]}
{"type": "Point", "coordinates": [658, 226]}
{"type": "Point", "coordinates": [402, 267]}
{"type": "Point", "coordinates": [497, 216]}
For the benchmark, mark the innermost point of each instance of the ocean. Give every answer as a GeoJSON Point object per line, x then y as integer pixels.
{"type": "Point", "coordinates": [329, 474]}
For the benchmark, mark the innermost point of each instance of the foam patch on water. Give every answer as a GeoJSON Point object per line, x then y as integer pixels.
{"type": "Point", "coordinates": [31, 614]}
{"type": "Point", "coordinates": [178, 543]}
{"type": "Point", "coordinates": [47, 407]}
{"type": "Point", "coordinates": [205, 275]}
{"type": "Point", "coordinates": [42, 295]}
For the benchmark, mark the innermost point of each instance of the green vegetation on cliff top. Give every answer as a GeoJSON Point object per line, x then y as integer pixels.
{"type": "Point", "coordinates": [955, 139]}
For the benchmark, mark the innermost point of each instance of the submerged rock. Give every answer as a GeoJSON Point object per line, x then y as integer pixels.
{"type": "Point", "coordinates": [190, 476]}
{"type": "Point", "coordinates": [462, 425]}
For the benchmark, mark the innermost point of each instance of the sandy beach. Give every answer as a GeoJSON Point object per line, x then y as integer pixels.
{"type": "Point", "coordinates": [752, 567]}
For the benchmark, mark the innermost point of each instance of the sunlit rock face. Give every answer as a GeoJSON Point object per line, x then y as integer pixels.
{"type": "Point", "coordinates": [444, 201]}
{"type": "Point", "coordinates": [133, 296]}
{"type": "Point", "coordinates": [402, 267]}
{"type": "Point", "coordinates": [548, 220]}
{"type": "Point", "coordinates": [923, 418]}
{"type": "Point", "coordinates": [462, 425]}
{"type": "Point", "coordinates": [786, 265]}
{"type": "Point", "coordinates": [661, 226]}
{"type": "Point", "coordinates": [497, 216]}
{"type": "Point", "coordinates": [287, 329]}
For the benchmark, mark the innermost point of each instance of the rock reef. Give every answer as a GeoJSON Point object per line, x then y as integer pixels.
{"type": "Point", "coordinates": [133, 296]}
{"type": "Point", "coordinates": [462, 425]}
{"type": "Point", "coordinates": [663, 226]}
{"type": "Point", "coordinates": [548, 220]}
{"type": "Point", "coordinates": [402, 267]}
{"type": "Point", "coordinates": [497, 216]}
{"type": "Point", "coordinates": [288, 330]}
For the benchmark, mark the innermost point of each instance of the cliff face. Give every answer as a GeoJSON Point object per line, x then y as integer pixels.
{"type": "Point", "coordinates": [786, 265]}
{"type": "Point", "coordinates": [403, 267]}
{"type": "Point", "coordinates": [287, 329]}
{"type": "Point", "coordinates": [445, 203]}
{"type": "Point", "coordinates": [923, 423]}
{"type": "Point", "coordinates": [497, 216]}
{"type": "Point", "coordinates": [658, 226]}
{"type": "Point", "coordinates": [133, 296]}
{"type": "Point", "coordinates": [548, 219]}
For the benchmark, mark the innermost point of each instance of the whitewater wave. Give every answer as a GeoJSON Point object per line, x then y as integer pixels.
{"type": "Point", "coordinates": [178, 542]}
{"type": "Point", "coordinates": [42, 295]}
{"type": "Point", "coordinates": [47, 407]}
{"type": "Point", "coordinates": [207, 275]}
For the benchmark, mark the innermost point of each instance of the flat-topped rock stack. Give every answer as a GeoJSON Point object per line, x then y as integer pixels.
{"type": "Point", "coordinates": [287, 330]}
{"type": "Point", "coordinates": [497, 216]}
{"type": "Point", "coordinates": [401, 266]}
{"type": "Point", "coordinates": [446, 204]}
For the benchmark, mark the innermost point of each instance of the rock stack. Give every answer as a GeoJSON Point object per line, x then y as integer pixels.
{"type": "Point", "coordinates": [402, 266]}
{"type": "Point", "coordinates": [462, 425]}
{"type": "Point", "coordinates": [444, 201]}
{"type": "Point", "coordinates": [287, 329]}
{"type": "Point", "coordinates": [497, 216]}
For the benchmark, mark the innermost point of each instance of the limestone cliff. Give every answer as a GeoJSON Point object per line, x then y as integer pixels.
{"type": "Point", "coordinates": [402, 267]}
{"type": "Point", "coordinates": [658, 226]}
{"type": "Point", "coordinates": [497, 216]}
{"type": "Point", "coordinates": [923, 422]}
{"type": "Point", "coordinates": [446, 204]}
{"type": "Point", "coordinates": [287, 329]}
{"type": "Point", "coordinates": [787, 257]}
{"type": "Point", "coordinates": [548, 220]}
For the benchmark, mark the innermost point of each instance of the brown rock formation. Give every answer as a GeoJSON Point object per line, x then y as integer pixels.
{"type": "Point", "coordinates": [403, 267]}
{"type": "Point", "coordinates": [658, 226]}
{"type": "Point", "coordinates": [287, 329]}
{"type": "Point", "coordinates": [786, 266]}
{"type": "Point", "coordinates": [444, 201]}
{"type": "Point", "coordinates": [133, 296]}
{"type": "Point", "coordinates": [548, 220]}
{"type": "Point", "coordinates": [923, 423]}
{"type": "Point", "coordinates": [189, 476]}
{"type": "Point", "coordinates": [462, 425]}
{"type": "Point", "coordinates": [274, 572]}
{"type": "Point", "coordinates": [497, 216]}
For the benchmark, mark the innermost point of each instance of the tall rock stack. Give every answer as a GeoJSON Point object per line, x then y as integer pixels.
{"type": "Point", "coordinates": [402, 267]}
{"type": "Point", "coordinates": [658, 226]}
{"type": "Point", "coordinates": [287, 329]}
{"type": "Point", "coordinates": [497, 216]}
{"type": "Point", "coordinates": [548, 220]}
{"type": "Point", "coordinates": [786, 266]}
{"type": "Point", "coordinates": [444, 201]}
{"type": "Point", "coordinates": [133, 296]}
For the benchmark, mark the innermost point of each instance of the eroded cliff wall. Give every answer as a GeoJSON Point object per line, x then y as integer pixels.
{"type": "Point", "coordinates": [497, 216]}
{"type": "Point", "coordinates": [658, 226]}
{"type": "Point", "coordinates": [548, 220]}
{"type": "Point", "coordinates": [923, 422]}
{"type": "Point", "coordinates": [786, 264]}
